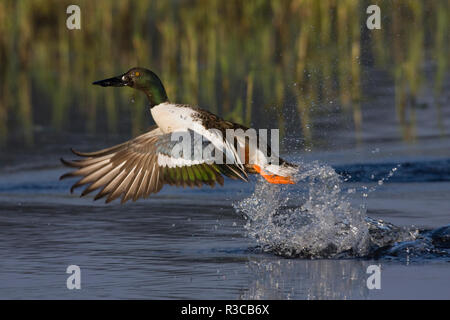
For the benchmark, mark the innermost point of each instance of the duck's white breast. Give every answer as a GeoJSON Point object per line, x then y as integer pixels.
{"type": "Point", "coordinates": [171, 117]}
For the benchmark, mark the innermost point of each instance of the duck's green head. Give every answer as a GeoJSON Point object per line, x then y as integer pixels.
{"type": "Point", "coordinates": [141, 79]}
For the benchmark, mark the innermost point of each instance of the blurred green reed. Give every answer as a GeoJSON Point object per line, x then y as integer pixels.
{"type": "Point", "coordinates": [254, 61]}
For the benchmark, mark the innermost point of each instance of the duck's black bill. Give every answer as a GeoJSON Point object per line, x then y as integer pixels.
{"type": "Point", "coordinates": [111, 82]}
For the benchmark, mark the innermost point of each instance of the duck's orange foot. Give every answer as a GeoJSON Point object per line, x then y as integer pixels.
{"type": "Point", "coordinates": [273, 178]}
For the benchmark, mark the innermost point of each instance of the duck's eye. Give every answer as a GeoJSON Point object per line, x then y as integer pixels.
{"type": "Point", "coordinates": [137, 74]}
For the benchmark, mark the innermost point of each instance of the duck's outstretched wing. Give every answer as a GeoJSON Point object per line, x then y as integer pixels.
{"type": "Point", "coordinates": [141, 166]}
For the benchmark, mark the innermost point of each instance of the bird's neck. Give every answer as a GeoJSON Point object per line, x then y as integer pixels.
{"type": "Point", "coordinates": [156, 95]}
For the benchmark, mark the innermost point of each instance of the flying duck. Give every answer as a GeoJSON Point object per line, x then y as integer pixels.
{"type": "Point", "coordinates": [141, 166]}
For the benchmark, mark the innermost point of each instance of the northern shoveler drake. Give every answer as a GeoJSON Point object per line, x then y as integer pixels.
{"type": "Point", "coordinates": [142, 165]}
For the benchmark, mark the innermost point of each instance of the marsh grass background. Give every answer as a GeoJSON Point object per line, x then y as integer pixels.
{"type": "Point", "coordinates": [262, 63]}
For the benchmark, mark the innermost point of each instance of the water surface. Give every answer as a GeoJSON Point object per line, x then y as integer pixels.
{"type": "Point", "coordinates": [192, 243]}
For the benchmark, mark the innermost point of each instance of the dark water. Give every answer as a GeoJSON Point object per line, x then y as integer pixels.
{"type": "Point", "coordinates": [194, 243]}
{"type": "Point", "coordinates": [185, 243]}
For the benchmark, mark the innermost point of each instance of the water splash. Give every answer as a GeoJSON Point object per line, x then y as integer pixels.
{"type": "Point", "coordinates": [407, 244]}
{"type": "Point", "coordinates": [315, 219]}
{"type": "Point", "coordinates": [384, 179]}
{"type": "Point", "coordinates": [311, 219]}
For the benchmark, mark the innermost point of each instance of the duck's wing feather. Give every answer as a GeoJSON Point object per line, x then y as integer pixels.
{"type": "Point", "coordinates": [139, 167]}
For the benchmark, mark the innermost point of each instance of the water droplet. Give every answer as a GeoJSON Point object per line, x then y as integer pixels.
{"type": "Point", "coordinates": [291, 221]}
